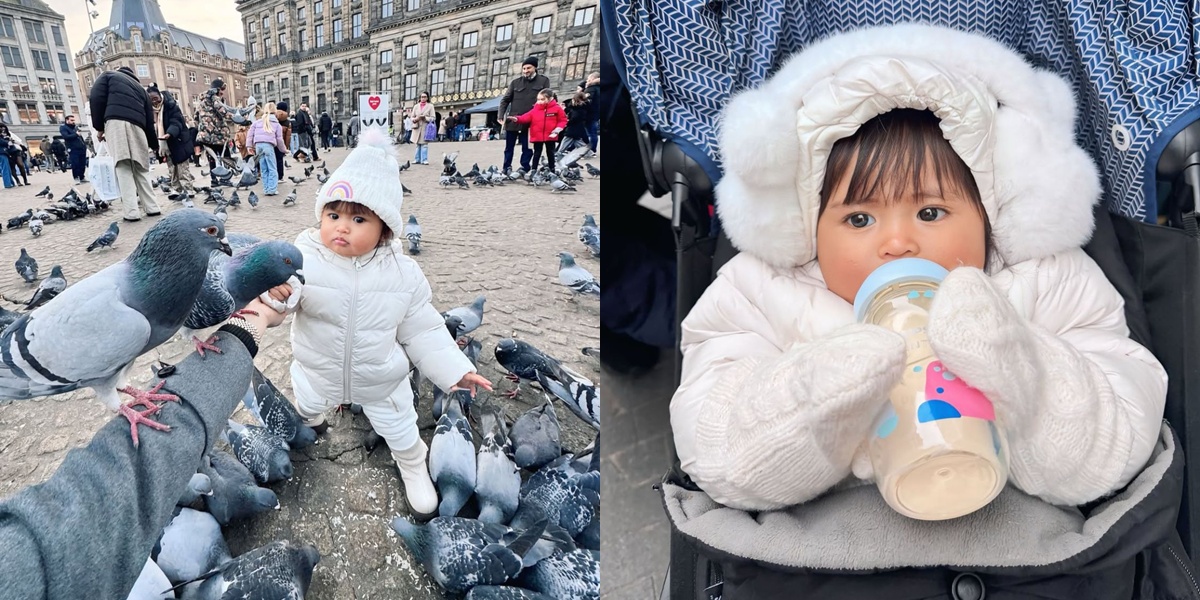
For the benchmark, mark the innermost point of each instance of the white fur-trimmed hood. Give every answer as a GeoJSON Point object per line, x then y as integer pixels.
{"type": "Point", "coordinates": [1013, 126]}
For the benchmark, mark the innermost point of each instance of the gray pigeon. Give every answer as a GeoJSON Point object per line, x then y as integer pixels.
{"type": "Point", "coordinates": [27, 267]}
{"type": "Point", "coordinates": [190, 546]}
{"type": "Point", "coordinates": [574, 575]}
{"type": "Point", "coordinates": [559, 185]}
{"type": "Point", "coordinates": [575, 391]}
{"type": "Point", "coordinates": [504, 592]}
{"type": "Point", "coordinates": [452, 459]}
{"type": "Point", "coordinates": [235, 496]}
{"type": "Point", "coordinates": [7, 317]}
{"type": "Point", "coordinates": [523, 361]}
{"type": "Point", "coordinates": [35, 226]}
{"type": "Point", "coordinates": [48, 289]}
{"type": "Point", "coordinates": [576, 277]}
{"type": "Point", "coordinates": [264, 453]}
{"type": "Point", "coordinates": [569, 499]}
{"type": "Point", "coordinates": [593, 171]}
{"type": "Point", "coordinates": [230, 283]}
{"type": "Point", "coordinates": [276, 413]}
{"type": "Point", "coordinates": [472, 315]}
{"type": "Point", "coordinates": [90, 334]}
{"type": "Point", "coordinates": [290, 199]}
{"type": "Point", "coordinates": [589, 234]}
{"type": "Point", "coordinates": [199, 485]}
{"type": "Point", "coordinates": [150, 584]}
{"type": "Point", "coordinates": [472, 349]}
{"type": "Point", "coordinates": [412, 231]}
{"type": "Point", "coordinates": [252, 198]}
{"type": "Point", "coordinates": [497, 478]}
{"type": "Point", "coordinates": [279, 570]}
{"type": "Point", "coordinates": [534, 437]}
{"type": "Point", "coordinates": [462, 553]}
{"type": "Point", "coordinates": [106, 239]}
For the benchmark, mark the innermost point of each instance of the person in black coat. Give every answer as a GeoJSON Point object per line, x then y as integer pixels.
{"type": "Point", "coordinates": [72, 143]}
{"type": "Point", "coordinates": [122, 116]}
{"type": "Point", "coordinates": [325, 127]}
{"type": "Point", "coordinates": [517, 100]}
{"type": "Point", "coordinates": [15, 154]}
{"type": "Point", "coordinates": [173, 128]}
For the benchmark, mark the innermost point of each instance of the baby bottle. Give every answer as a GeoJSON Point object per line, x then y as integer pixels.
{"type": "Point", "coordinates": [935, 447]}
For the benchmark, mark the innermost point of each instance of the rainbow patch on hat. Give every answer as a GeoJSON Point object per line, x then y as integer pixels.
{"type": "Point", "coordinates": [340, 190]}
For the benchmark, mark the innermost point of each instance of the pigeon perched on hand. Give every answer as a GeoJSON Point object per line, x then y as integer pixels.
{"type": "Point", "coordinates": [276, 413]}
{"type": "Point", "coordinates": [27, 267]}
{"type": "Point", "coordinates": [412, 231]}
{"type": "Point", "coordinates": [106, 239]}
{"type": "Point", "coordinates": [90, 334]}
{"type": "Point", "coordinates": [589, 234]}
{"type": "Point", "coordinates": [235, 494]}
{"type": "Point", "coordinates": [452, 458]}
{"type": "Point", "coordinates": [48, 289]}
{"type": "Point", "coordinates": [191, 545]}
{"type": "Point", "coordinates": [497, 478]}
{"type": "Point", "coordinates": [535, 437]}
{"type": "Point", "coordinates": [278, 570]}
{"type": "Point", "coordinates": [462, 553]}
{"type": "Point", "coordinates": [576, 277]}
{"type": "Point", "coordinates": [264, 453]}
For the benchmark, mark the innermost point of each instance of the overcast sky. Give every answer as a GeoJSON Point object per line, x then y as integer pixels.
{"type": "Point", "coordinates": [212, 18]}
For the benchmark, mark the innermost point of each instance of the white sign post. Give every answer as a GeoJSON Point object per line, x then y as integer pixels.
{"type": "Point", "coordinates": [373, 110]}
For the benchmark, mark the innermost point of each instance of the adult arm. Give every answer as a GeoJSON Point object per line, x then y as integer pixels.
{"type": "Point", "coordinates": [505, 101]}
{"type": "Point", "coordinates": [148, 126]}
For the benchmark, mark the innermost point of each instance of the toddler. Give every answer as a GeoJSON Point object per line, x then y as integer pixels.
{"type": "Point", "coordinates": [546, 120]}
{"type": "Point", "coordinates": [867, 151]}
{"type": "Point", "coordinates": [365, 317]}
{"type": "Point", "coordinates": [265, 138]}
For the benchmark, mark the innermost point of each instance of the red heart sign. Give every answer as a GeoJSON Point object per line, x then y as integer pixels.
{"type": "Point", "coordinates": [373, 102]}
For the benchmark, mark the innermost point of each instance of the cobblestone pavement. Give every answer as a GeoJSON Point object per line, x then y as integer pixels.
{"type": "Point", "coordinates": [500, 242]}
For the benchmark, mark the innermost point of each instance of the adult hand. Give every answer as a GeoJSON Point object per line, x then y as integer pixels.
{"type": "Point", "coordinates": [164, 136]}
{"type": "Point", "coordinates": [267, 317]}
{"type": "Point", "coordinates": [100, 135]}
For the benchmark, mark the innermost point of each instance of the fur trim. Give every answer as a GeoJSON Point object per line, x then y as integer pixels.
{"type": "Point", "coordinates": [1012, 124]}
{"type": "Point", "coordinates": [370, 176]}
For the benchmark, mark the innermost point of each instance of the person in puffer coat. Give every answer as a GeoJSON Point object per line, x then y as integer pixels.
{"type": "Point", "coordinates": [545, 120]}
{"type": "Point", "coordinates": [867, 148]}
{"type": "Point", "coordinates": [365, 316]}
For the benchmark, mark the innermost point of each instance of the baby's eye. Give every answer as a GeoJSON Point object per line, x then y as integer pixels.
{"type": "Point", "coordinates": [860, 220]}
{"type": "Point", "coordinates": [359, 220]}
{"type": "Point", "coordinates": [332, 216]}
{"type": "Point", "coordinates": [931, 213]}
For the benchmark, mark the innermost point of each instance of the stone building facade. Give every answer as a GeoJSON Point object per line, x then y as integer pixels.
{"type": "Point", "coordinates": [179, 61]}
{"type": "Point", "coordinates": [463, 52]}
{"type": "Point", "coordinates": [42, 89]}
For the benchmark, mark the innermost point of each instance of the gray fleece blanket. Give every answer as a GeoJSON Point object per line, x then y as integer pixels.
{"type": "Point", "coordinates": [855, 529]}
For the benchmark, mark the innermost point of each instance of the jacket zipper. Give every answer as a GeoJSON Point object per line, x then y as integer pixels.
{"type": "Point", "coordinates": [1186, 570]}
{"type": "Point", "coordinates": [349, 338]}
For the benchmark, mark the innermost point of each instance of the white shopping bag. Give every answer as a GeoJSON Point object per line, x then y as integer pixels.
{"type": "Point", "coordinates": [102, 172]}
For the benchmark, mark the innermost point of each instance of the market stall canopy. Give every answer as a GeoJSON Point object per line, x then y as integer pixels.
{"type": "Point", "coordinates": [492, 105]}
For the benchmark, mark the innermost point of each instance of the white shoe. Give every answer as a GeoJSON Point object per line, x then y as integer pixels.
{"type": "Point", "coordinates": [418, 486]}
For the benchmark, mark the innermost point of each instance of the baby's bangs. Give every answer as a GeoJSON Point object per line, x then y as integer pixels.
{"type": "Point", "coordinates": [352, 208]}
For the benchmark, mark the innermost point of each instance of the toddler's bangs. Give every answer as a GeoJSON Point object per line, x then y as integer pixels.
{"type": "Point", "coordinates": [344, 206]}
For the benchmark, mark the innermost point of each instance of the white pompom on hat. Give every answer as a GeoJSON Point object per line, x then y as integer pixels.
{"type": "Point", "coordinates": [369, 176]}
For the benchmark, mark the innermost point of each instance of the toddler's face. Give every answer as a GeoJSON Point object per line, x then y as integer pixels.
{"type": "Point", "coordinates": [854, 240]}
{"type": "Point", "coordinates": [350, 235]}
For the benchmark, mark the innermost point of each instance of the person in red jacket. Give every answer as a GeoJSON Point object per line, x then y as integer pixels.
{"type": "Point", "coordinates": [546, 120]}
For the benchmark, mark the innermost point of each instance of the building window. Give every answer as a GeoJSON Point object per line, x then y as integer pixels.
{"type": "Point", "coordinates": [414, 5]}
{"type": "Point", "coordinates": [63, 64]}
{"type": "Point", "coordinates": [258, 89]}
{"type": "Point", "coordinates": [337, 30]}
{"type": "Point", "coordinates": [19, 83]}
{"type": "Point", "coordinates": [7, 118]}
{"type": "Point", "coordinates": [279, 17]}
{"type": "Point", "coordinates": [584, 16]}
{"type": "Point", "coordinates": [499, 72]}
{"type": "Point", "coordinates": [192, 76]}
{"type": "Point", "coordinates": [321, 77]}
{"type": "Point", "coordinates": [439, 46]}
{"type": "Point", "coordinates": [137, 44]}
{"type": "Point", "coordinates": [576, 62]}
{"type": "Point", "coordinates": [318, 8]}
{"type": "Point", "coordinates": [466, 78]}
{"type": "Point", "coordinates": [54, 112]}
{"type": "Point", "coordinates": [320, 41]}
{"type": "Point", "coordinates": [385, 85]}
{"type": "Point", "coordinates": [285, 83]}
{"type": "Point", "coordinates": [504, 33]}
{"type": "Point", "coordinates": [302, 36]}
{"type": "Point", "coordinates": [337, 3]}
{"type": "Point", "coordinates": [410, 86]}
{"type": "Point", "coordinates": [412, 51]}
{"type": "Point", "coordinates": [41, 60]}
{"type": "Point", "coordinates": [56, 32]}
{"type": "Point", "coordinates": [304, 80]}
{"type": "Point", "coordinates": [170, 72]}
{"type": "Point", "coordinates": [34, 31]}
{"type": "Point", "coordinates": [385, 57]}
{"type": "Point", "coordinates": [282, 43]}
{"type": "Point", "coordinates": [11, 56]}
{"type": "Point", "coordinates": [143, 70]}
{"type": "Point", "coordinates": [356, 71]}
{"type": "Point", "coordinates": [237, 84]}
{"type": "Point", "coordinates": [321, 103]}
{"type": "Point", "coordinates": [206, 79]}
{"type": "Point", "coordinates": [188, 54]}
{"type": "Point", "coordinates": [253, 52]}
{"type": "Point", "coordinates": [6, 28]}
{"type": "Point", "coordinates": [48, 85]}
{"type": "Point", "coordinates": [266, 24]}
{"type": "Point", "coordinates": [251, 26]}
{"type": "Point", "coordinates": [28, 113]}
{"type": "Point", "coordinates": [386, 9]}
{"type": "Point", "coordinates": [541, 25]}
{"type": "Point", "coordinates": [337, 74]}
{"type": "Point", "coordinates": [300, 13]}
{"type": "Point", "coordinates": [356, 25]}
{"type": "Point", "coordinates": [470, 39]}
{"type": "Point", "coordinates": [437, 82]}
{"type": "Point", "coordinates": [303, 99]}
{"type": "Point", "coordinates": [270, 85]}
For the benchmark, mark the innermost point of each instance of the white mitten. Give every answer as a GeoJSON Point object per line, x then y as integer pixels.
{"type": "Point", "coordinates": [778, 432]}
{"type": "Point", "coordinates": [1055, 405]}
{"type": "Point", "coordinates": [292, 300]}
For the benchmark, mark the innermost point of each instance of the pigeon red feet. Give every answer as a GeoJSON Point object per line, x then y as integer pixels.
{"type": "Point", "coordinates": [146, 399]}
{"type": "Point", "coordinates": [201, 346]}
{"type": "Point", "coordinates": [513, 394]}
{"type": "Point", "coordinates": [512, 378]}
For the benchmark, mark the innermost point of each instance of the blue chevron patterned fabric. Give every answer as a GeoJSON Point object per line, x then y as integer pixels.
{"type": "Point", "coordinates": [1133, 65]}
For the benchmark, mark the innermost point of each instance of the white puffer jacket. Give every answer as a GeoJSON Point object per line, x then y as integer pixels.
{"type": "Point", "coordinates": [358, 324]}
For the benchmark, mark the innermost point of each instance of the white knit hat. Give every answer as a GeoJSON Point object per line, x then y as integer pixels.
{"type": "Point", "coordinates": [369, 176]}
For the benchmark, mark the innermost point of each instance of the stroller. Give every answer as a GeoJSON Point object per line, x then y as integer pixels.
{"type": "Point", "coordinates": [1134, 75]}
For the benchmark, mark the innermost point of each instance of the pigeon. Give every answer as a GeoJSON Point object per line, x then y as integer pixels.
{"type": "Point", "coordinates": [412, 231]}
{"type": "Point", "coordinates": [221, 214]}
{"type": "Point", "coordinates": [534, 437]}
{"type": "Point", "coordinates": [20, 219]}
{"type": "Point", "coordinates": [472, 348]}
{"type": "Point", "coordinates": [41, 214]}
{"type": "Point", "coordinates": [308, 171]}
{"type": "Point", "coordinates": [276, 413]}
{"type": "Point", "coordinates": [404, 189]}
{"type": "Point", "coordinates": [190, 546]}
{"type": "Point", "coordinates": [45, 190]}
{"type": "Point", "coordinates": [576, 277]}
{"type": "Point", "coordinates": [452, 459]}
{"type": "Point", "coordinates": [407, 164]}
{"type": "Point", "coordinates": [296, 180]}
{"type": "Point", "coordinates": [448, 167]}
{"type": "Point", "coordinates": [504, 592]}
{"type": "Point", "coordinates": [7, 317]}
{"type": "Point", "coordinates": [462, 396]}
{"type": "Point", "coordinates": [569, 499]}
{"type": "Point", "coordinates": [151, 584]}
{"type": "Point", "coordinates": [481, 180]}
{"type": "Point", "coordinates": [107, 239]}
{"type": "Point", "coordinates": [234, 199]}
{"type": "Point", "coordinates": [559, 185]}
{"type": "Point", "coordinates": [574, 574]}
{"type": "Point", "coordinates": [474, 172]}
{"type": "Point", "coordinates": [471, 316]}
{"type": "Point", "coordinates": [290, 199]}
{"type": "Point", "coordinates": [593, 171]}
{"type": "Point", "coordinates": [589, 234]}
{"type": "Point", "coordinates": [462, 183]}
{"type": "Point", "coordinates": [232, 282]}
{"type": "Point", "coordinates": [462, 553]}
{"type": "Point", "coordinates": [280, 569]}
{"type": "Point", "coordinates": [27, 267]}
{"type": "Point", "coordinates": [199, 485]}
{"type": "Point", "coordinates": [523, 361]}
{"type": "Point", "coordinates": [247, 179]}
{"type": "Point", "coordinates": [263, 452]}
{"type": "Point", "coordinates": [90, 334]}
{"type": "Point", "coordinates": [322, 178]}
{"type": "Point", "coordinates": [35, 226]}
{"type": "Point", "coordinates": [590, 351]}
{"type": "Point", "coordinates": [48, 289]}
{"type": "Point", "coordinates": [252, 198]}
{"type": "Point", "coordinates": [497, 478]}
{"type": "Point", "coordinates": [234, 495]}
{"type": "Point", "coordinates": [575, 391]}
{"type": "Point", "coordinates": [187, 203]}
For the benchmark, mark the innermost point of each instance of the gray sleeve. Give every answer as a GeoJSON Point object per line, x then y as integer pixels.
{"type": "Point", "coordinates": [86, 532]}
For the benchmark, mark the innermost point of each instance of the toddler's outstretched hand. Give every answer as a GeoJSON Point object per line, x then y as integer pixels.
{"type": "Point", "coordinates": [280, 292]}
{"type": "Point", "coordinates": [471, 380]}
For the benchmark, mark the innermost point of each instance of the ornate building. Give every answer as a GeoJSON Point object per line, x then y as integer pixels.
{"type": "Point", "coordinates": [42, 89]}
{"type": "Point", "coordinates": [463, 52]}
{"type": "Point", "coordinates": [179, 61]}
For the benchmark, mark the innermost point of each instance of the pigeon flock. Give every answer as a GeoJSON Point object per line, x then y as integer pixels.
{"type": "Point", "coordinates": [563, 179]}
